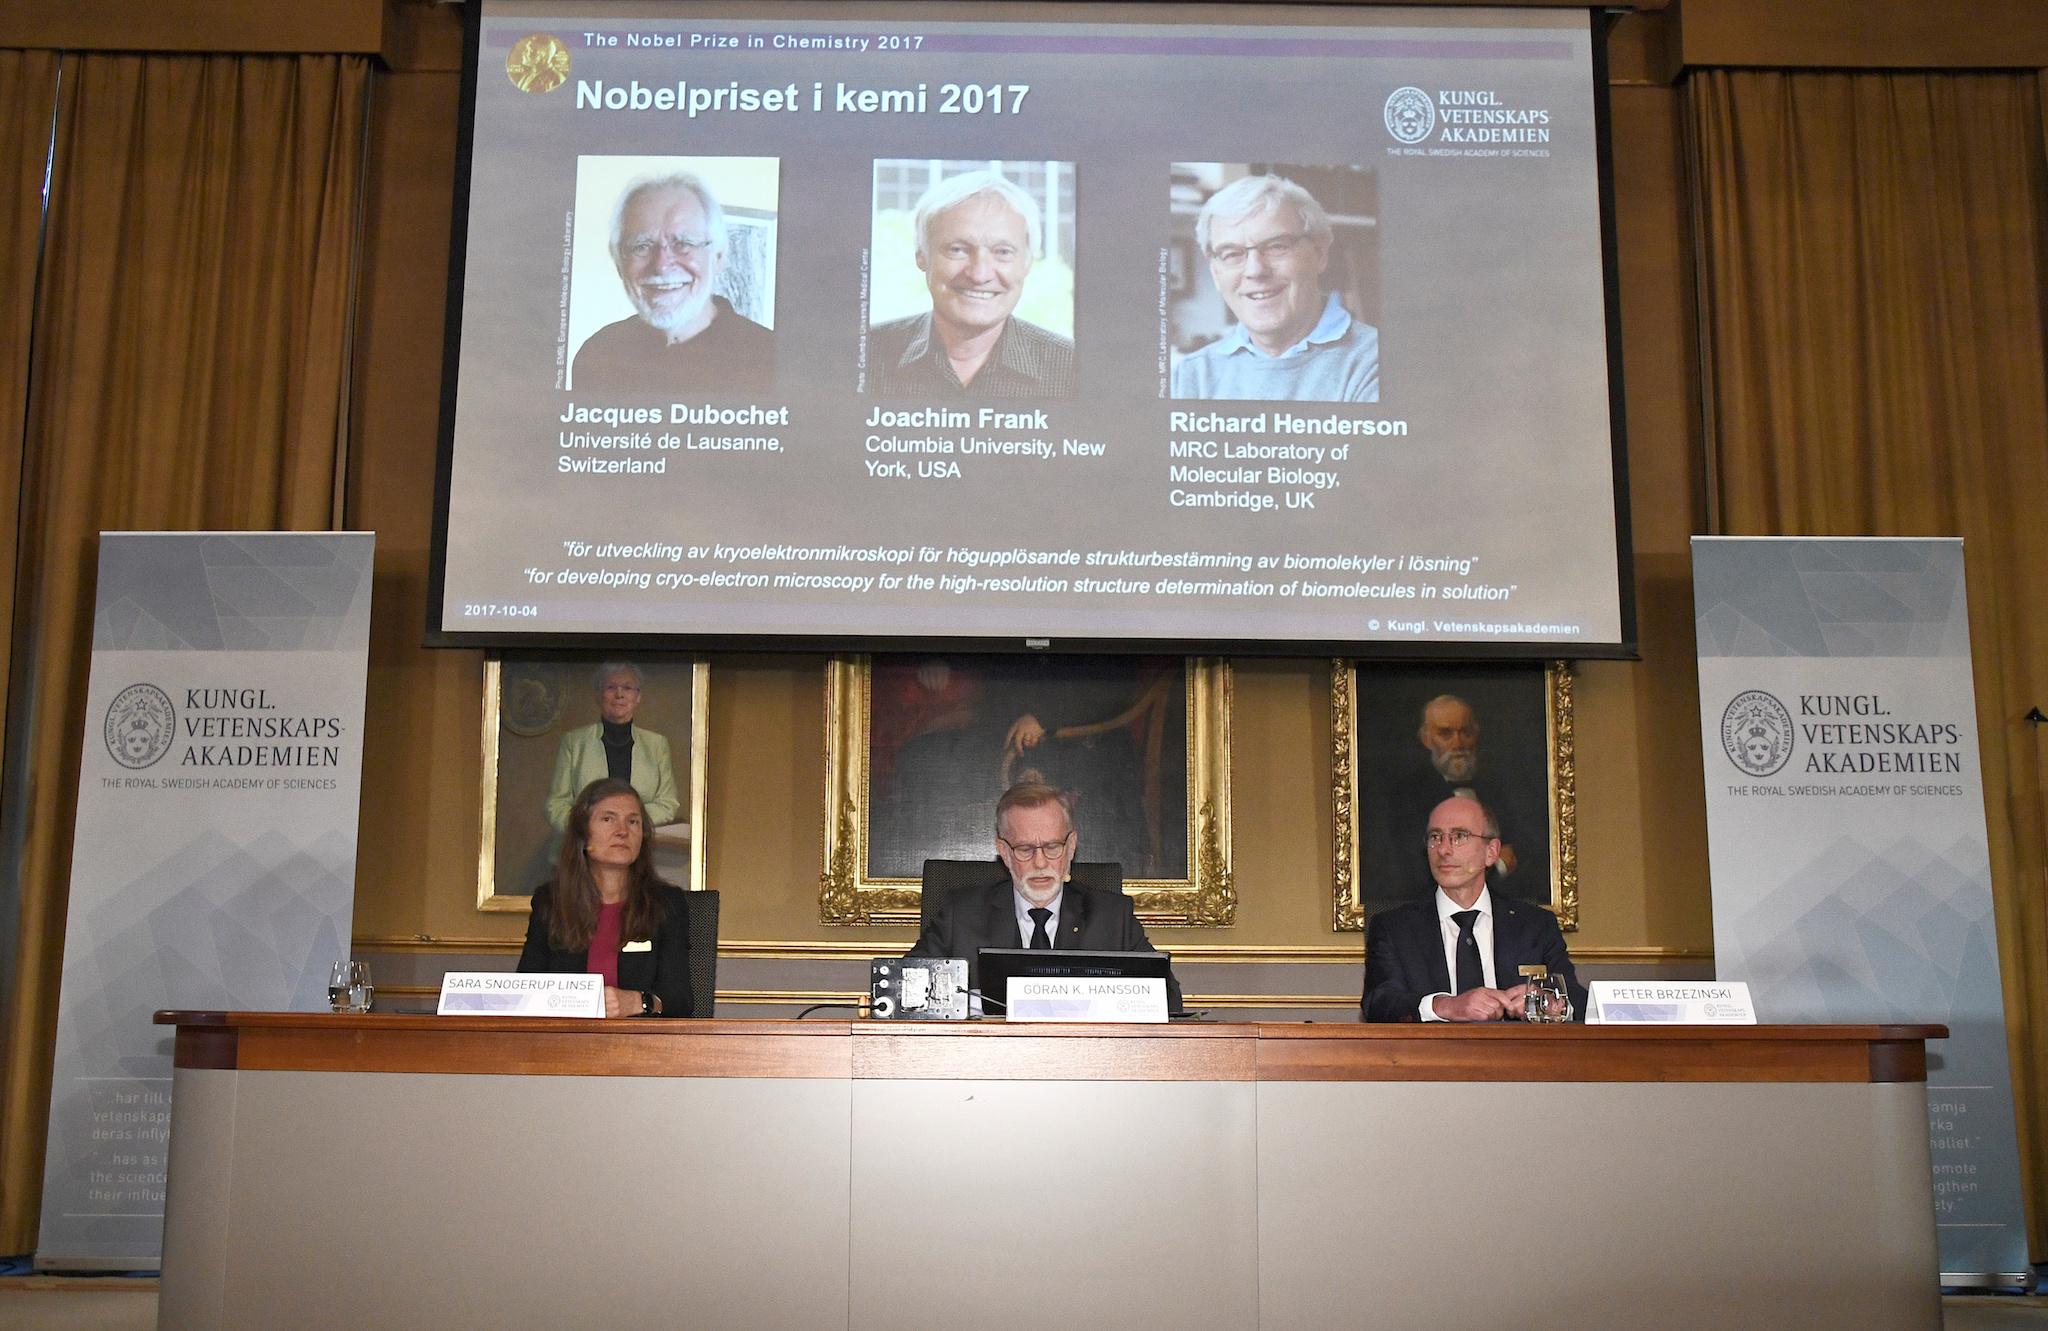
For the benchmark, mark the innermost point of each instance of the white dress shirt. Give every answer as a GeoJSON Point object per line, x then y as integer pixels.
{"type": "Point", "coordinates": [1023, 909]}
{"type": "Point", "coordinates": [1024, 922]}
{"type": "Point", "coordinates": [1482, 933]}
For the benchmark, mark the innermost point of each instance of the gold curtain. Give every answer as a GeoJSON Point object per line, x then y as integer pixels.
{"type": "Point", "coordinates": [1871, 251]}
{"type": "Point", "coordinates": [28, 92]}
{"type": "Point", "coordinates": [190, 370]}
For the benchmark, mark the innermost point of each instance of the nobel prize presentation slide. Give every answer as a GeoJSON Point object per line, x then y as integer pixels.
{"type": "Point", "coordinates": [1095, 324]}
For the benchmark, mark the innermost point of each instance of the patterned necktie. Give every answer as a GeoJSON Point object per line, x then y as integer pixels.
{"type": "Point", "coordinates": [1039, 938]}
{"type": "Point", "coordinates": [1471, 972]}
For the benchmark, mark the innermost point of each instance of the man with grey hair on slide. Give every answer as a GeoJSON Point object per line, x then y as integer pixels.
{"type": "Point", "coordinates": [1268, 241]}
{"type": "Point", "coordinates": [670, 243]}
{"type": "Point", "coordinates": [977, 236]}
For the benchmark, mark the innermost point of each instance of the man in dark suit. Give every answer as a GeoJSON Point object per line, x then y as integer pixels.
{"type": "Point", "coordinates": [1456, 955]}
{"type": "Point", "coordinates": [1036, 905]}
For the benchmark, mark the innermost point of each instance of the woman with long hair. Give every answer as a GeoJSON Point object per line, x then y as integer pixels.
{"type": "Point", "coordinates": [606, 913]}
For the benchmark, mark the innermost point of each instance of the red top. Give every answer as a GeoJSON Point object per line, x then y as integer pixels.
{"type": "Point", "coordinates": [604, 942]}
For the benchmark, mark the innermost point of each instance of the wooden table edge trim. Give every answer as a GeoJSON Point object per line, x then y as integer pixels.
{"type": "Point", "coordinates": [298, 1041]}
{"type": "Point", "coordinates": [1776, 1033]}
{"type": "Point", "coordinates": [1122, 1056]}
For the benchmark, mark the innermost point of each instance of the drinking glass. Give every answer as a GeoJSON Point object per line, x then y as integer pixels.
{"type": "Point", "coordinates": [349, 988]}
{"type": "Point", "coordinates": [360, 992]}
{"type": "Point", "coordinates": [1549, 1000]}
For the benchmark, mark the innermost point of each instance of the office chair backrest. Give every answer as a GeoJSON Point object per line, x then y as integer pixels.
{"type": "Point", "coordinates": [703, 922]}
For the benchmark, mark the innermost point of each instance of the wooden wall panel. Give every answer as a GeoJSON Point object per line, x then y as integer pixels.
{"type": "Point", "coordinates": [767, 798]}
{"type": "Point", "coordinates": [1864, 34]}
{"type": "Point", "coordinates": [195, 25]}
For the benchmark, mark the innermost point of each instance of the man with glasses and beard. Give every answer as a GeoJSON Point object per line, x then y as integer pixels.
{"type": "Point", "coordinates": [1031, 901]}
{"type": "Point", "coordinates": [670, 244]}
{"type": "Point", "coordinates": [1268, 241]}
{"type": "Point", "coordinates": [1457, 954]}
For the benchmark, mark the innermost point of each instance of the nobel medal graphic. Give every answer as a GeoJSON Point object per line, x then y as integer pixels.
{"type": "Point", "coordinates": [538, 62]}
{"type": "Point", "coordinates": [140, 725]}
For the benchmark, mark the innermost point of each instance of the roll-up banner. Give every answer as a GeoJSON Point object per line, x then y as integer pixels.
{"type": "Point", "coordinates": [213, 865]}
{"type": "Point", "coordinates": [1845, 821]}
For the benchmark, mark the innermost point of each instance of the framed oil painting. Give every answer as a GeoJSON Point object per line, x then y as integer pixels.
{"type": "Point", "coordinates": [545, 718]}
{"type": "Point", "coordinates": [919, 747]}
{"type": "Point", "coordinates": [1404, 737]}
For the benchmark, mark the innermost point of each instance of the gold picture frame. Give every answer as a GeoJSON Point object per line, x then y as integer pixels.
{"type": "Point", "coordinates": [848, 893]}
{"type": "Point", "coordinates": [546, 691]}
{"type": "Point", "coordinates": [1403, 689]}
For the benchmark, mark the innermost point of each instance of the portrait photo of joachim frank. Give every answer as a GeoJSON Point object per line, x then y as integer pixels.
{"type": "Point", "coordinates": [971, 292]}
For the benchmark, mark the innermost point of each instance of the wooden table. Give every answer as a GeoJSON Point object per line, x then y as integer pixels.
{"type": "Point", "coordinates": [395, 1171]}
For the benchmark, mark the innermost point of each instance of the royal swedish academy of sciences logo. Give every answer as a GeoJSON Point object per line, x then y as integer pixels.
{"type": "Point", "coordinates": [1756, 731]}
{"type": "Point", "coordinates": [537, 62]}
{"type": "Point", "coordinates": [140, 725]}
{"type": "Point", "coordinates": [1410, 115]}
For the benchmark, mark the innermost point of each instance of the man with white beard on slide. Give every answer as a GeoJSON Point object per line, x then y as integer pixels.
{"type": "Point", "coordinates": [669, 242]}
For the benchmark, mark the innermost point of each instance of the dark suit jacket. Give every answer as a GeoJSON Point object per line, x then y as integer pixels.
{"type": "Point", "coordinates": [1404, 955]}
{"type": "Point", "coordinates": [663, 968]}
{"type": "Point", "coordinates": [972, 918]}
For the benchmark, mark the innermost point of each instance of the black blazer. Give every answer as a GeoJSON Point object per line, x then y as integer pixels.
{"type": "Point", "coordinates": [663, 968]}
{"type": "Point", "coordinates": [969, 919]}
{"type": "Point", "coordinates": [1404, 955]}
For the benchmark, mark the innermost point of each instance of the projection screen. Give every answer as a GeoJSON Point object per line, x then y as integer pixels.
{"type": "Point", "coordinates": [1096, 326]}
